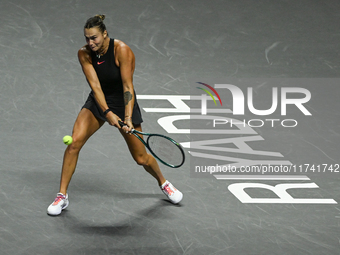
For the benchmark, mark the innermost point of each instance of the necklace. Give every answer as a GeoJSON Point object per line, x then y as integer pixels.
{"type": "Point", "coordinates": [103, 52]}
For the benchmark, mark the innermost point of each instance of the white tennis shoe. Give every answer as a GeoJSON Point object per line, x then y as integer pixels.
{"type": "Point", "coordinates": [173, 194]}
{"type": "Point", "coordinates": [59, 204]}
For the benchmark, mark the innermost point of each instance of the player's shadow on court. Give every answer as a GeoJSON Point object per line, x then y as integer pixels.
{"type": "Point", "coordinates": [126, 195]}
{"type": "Point", "coordinates": [160, 196]}
{"type": "Point", "coordinates": [134, 226]}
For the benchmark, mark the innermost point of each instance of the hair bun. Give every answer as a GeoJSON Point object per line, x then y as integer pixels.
{"type": "Point", "coordinates": [96, 21]}
{"type": "Point", "coordinates": [100, 16]}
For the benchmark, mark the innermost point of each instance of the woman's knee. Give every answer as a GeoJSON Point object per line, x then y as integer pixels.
{"type": "Point", "coordinates": [142, 160]}
{"type": "Point", "coordinates": [76, 145]}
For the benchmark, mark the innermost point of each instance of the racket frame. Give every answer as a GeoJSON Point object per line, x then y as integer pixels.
{"type": "Point", "coordinates": [136, 133]}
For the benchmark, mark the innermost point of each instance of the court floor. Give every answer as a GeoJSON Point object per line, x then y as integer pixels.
{"type": "Point", "coordinates": [115, 206]}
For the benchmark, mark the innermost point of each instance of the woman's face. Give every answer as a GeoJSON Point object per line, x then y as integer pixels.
{"type": "Point", "coordinates": [94, 38]}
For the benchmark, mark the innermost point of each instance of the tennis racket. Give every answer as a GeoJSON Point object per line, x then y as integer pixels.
{"type": "Point", "coordinates": [165, 149]}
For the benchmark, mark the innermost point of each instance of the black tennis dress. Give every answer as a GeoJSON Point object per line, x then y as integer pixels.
{"type": "Point", "coordinates": [111, 83]}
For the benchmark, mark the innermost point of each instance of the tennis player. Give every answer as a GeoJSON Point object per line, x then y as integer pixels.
{"type": "Point", "coordinates": [108, 65]}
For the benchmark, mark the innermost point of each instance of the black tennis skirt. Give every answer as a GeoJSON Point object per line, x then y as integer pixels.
{"type": "Point", "coordinates": [116, 105]}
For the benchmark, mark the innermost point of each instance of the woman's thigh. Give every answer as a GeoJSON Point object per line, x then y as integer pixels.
{"type": "Point", "coordinates": [137, 149]}
{"type": "Point", "coordinates": [85, 126]}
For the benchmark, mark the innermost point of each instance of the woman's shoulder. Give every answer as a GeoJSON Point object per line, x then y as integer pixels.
{"type": "Point", "coordinates": [84, 53]}
{"type": "Point", "coordinates": [121, 48]}
{"type": "Point", "coordinates": [85, 50]}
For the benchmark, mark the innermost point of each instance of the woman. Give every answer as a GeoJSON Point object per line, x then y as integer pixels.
{"type": "Point", "coordinates": [108, 65]}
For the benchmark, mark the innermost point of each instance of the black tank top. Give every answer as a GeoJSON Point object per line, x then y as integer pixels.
{"type": "Point", "coordinates": [108, 72]}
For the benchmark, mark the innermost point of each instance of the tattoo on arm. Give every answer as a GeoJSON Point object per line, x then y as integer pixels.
{"type": "Point", "coordinates": [127, 97]}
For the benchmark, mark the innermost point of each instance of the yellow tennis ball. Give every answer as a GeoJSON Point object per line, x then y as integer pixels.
{"type": "Point", "coordinates": [67, 139]}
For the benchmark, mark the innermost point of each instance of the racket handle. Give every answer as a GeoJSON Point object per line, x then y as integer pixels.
{"type": "Point", "coordinates": [122, 124]}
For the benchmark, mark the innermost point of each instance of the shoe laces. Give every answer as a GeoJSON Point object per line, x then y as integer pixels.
{"type": "Point", "coordinates": [58, 198]}
{"type": "Point", "coordinates": [168, 189]}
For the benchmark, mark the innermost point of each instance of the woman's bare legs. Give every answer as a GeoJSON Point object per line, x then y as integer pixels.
{"type": "Point", "coordinates": [84, 127]}
{"type": "Point", "coordinates": [140, 155]}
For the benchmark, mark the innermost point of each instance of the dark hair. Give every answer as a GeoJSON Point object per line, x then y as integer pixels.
{"type": "Point", "coordinates": [96, 21]}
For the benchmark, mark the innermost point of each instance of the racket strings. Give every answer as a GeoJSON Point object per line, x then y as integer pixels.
{"type": "Point", "coordinates": [166, 150]}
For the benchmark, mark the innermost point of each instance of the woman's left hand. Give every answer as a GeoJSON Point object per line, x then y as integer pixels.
{"type": "Point", "coordinates": [128, 126]}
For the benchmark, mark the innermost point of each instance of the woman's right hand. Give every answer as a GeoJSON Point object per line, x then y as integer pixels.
{"type": "Point", "coordinates": [113, 119]}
